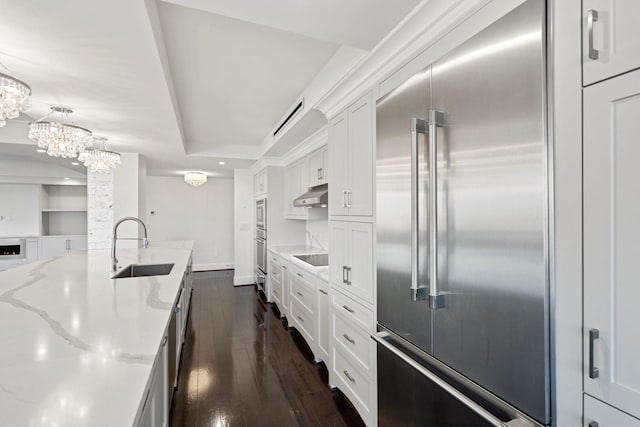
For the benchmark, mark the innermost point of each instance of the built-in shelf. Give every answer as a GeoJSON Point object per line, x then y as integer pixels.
{"type": "Point", "coordinates": [63, 210]}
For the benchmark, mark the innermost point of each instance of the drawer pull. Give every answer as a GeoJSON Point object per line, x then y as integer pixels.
{"type": "Point", "coordinates": [323, 292]}
{"type": "Point", "coordinates": [348, 338]}
{"type": "Point", "coordinates": [284, 267]}
{"type": "Point", "coordinates": [346, 374]}
{"type": "Point", "coordinates": [273, 259]}
{"type": "Point", "coordinates": [300, 319]}
{"type": "Point", "coordinates": [350, 310]}
{"type": "Point", "coordinates": [302, 296]}
{"type": "Point", "coordinates": [300, 275]}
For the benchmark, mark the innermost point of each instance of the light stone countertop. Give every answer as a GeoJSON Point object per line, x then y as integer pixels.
{"type": "Point", "coordinates": [77, 346]}
{"type": "Point", "coordinates": [288, 253]}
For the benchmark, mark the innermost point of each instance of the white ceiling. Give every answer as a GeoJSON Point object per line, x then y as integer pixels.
{"type": "Point", "coordinates": [186, 83]}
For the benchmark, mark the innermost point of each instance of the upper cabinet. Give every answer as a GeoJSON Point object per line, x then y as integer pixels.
{"type": "Point", "coordinates": [318, 168]}
{"type": "Point", "coordinates": [351, 160]}
{"type": "Point", "coordinates": [260, 183]}
{"type": "Point", "coordinates": [611, 38]}
{"type": "Point", "coordinates": [295, 184]}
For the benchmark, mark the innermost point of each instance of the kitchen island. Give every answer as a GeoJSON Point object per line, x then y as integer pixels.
{"type": "Point", "coordinates": [82, 349]}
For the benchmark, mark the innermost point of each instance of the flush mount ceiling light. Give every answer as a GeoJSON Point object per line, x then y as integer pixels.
{"type": "Point", "coordinates": [100, 160]}
{"type": "Point", "coordinates": [14, 97]}
{"type": "Point", "coordinates": [60, 138]}
{"type": "Point", "coordinates": [195, 178]}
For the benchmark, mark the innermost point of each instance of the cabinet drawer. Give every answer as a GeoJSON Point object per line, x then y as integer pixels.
{"type": "Point", "coordinates": [276, 270]}
{"type": "Point", "coordinates": [605, 415]}
{"type": "Point", "coordinates": [276, 291]}
{"type": "Point", "coordinates": [361, 316]}
{"type": "Point", "coordinates": [356, 342]}
{"type": "Point", "coordinates": [356, 386]}
{"type": "Point", "coordinates": [303, 318]}
{"type": "Point", "coordinates": [303, 292]}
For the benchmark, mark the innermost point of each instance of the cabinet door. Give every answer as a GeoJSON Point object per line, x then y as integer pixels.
{"type": "Point", "coordinates": [338, 163]}
{"type": "Point", "coordinates": [360, 258]}
{"type": "Point", "coordinates": [285, 289]}
{"type": "Point", "coordinates": [338, 254]}
{"type": "Point", "coordinates": [314, 176]}
{"type": "Point", "coordinates": [598, 414]}
{"type": "Point", "coordinates": [323, 323]}
{"type": "Point", "coordinates": [290, 188]}
{"type": "Point", "coordinates": [53, 246]}
{"type": "Point", "coordinates": [32, 249]}
{"type": "Point", "coordinates": [611, 234]}
{"type": "Point", "coordinates": [77, 243]}
{"type": "Point", "coordinates": [324, 173]}
{"type": "Point", "coordinates": [360, 170]}
{"type": "Point", "coordinates": [302, 184]}
{"type": "Point", "coordinates": [616, 37]}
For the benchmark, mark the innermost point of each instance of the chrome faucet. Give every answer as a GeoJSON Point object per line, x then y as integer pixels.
{"type": "Point", "coordinates": [145, 242]}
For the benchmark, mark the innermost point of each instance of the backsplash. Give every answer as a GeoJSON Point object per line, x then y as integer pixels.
{"type": "Point", "coordinates": [318, 232]}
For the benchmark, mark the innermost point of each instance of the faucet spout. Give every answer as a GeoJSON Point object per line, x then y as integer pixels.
{"type": "Point", "coordinates": [145, 240]}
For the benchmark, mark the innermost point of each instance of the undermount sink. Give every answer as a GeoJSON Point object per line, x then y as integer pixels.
{"type": "Point", "coordinates": [141, 270]}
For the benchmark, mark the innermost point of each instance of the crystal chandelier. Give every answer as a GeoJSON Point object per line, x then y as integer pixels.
{"type": "Point", "coordinates": [195, 178]}
{"type": "Point", "coordinates": [60, 139]}
{"type": "Point", "coordinates": [99, 160]}
{"type": "Point", "coordinates": [14, 98]}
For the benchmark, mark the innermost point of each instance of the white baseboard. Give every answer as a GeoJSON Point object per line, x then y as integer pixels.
{"type": "Point", "coordinates": [243, 280]}
{"type": "Point", "coordinates": [213, 266]}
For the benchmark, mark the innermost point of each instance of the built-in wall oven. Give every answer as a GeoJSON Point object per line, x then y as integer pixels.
{"type": "Point", "coordinates": [261, 213]}
{"type": "Point", "coordinates": [261, 244]}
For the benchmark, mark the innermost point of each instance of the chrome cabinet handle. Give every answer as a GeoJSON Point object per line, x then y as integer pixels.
{"type": "Point", "coordinates": [348, 198]}
{"type": "Point", "coordinates": [436, 119]}
{"type": "Point", "coordinates": [302, 296]}
{"type": "Point", "coordinates": [344, 198]}
{"type": "Point", "coordinates": [349, 309]}
{"type": "Point", "coordinates": [284, 267]}
{"type": "Point", "coordinates": [344, 274]}
{"type": "Point", "coordinates": [349, 276]}
{"type": "Point", "coordinates": [418, 291]}
{"type": "Point", "coordinates": [300, 275]}
{"type": "Point", "coordinates": [346, 374]}
{"type": "Point", "coordinates": [323, 292]}
{"type": "Point", "coordinates": [592, 16]}
{"type": "Point", "coordinates": [348, 338]}
{"type": "Point", "coordinates": [300, 319]}
{"type": "Point", "coordinates": [594, 372]}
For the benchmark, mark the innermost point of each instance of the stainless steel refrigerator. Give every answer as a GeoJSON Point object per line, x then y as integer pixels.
{"type": "Point", "coordinates": [462, 235]}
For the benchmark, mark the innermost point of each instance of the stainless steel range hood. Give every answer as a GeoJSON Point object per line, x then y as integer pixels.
{"type": "Point", "coordinates": [316, 197]}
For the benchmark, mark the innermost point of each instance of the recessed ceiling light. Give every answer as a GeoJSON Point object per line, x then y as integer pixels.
{"type": "Point", "coordinates": [66, 177]}
{"type": "Point", "coordinates": [75, 163]}
{"type": "Point", "coordinates": [221, 163]}
{"type": "Point", "coordinates": [40, 150]}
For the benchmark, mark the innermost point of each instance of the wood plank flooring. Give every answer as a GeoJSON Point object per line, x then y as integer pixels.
{"type": "Point", "coordinates": [242, 366]}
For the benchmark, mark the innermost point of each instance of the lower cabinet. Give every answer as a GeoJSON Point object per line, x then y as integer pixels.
{"type": "Point", "coordinates": [599, 414]}
{"type": "Point", "coordinates": [323, 324]}
{"type": "Point", "coordinates": [155, 406]}
{"type": "Point", "coordinates": [52, 246]}
{"type": "Point", "coordinates": [358, 387]}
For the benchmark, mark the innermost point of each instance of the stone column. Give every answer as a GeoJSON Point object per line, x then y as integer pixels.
{"type": "Point", "coordinates": [99, 209]}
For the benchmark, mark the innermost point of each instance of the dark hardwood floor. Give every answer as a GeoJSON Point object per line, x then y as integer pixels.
{"type": "Point", "coordinates": [242, 366]}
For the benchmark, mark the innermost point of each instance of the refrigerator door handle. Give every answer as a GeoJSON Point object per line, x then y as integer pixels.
{"type": "Point", "coordinates": [418, 291]}
{"type": "Point", "coordinates": [436, 119]}
{"type": "Point", "coordinates": [482, 412]}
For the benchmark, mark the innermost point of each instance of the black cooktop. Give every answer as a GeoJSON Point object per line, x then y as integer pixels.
{"type": "Point", "coordinates": [316, 260]}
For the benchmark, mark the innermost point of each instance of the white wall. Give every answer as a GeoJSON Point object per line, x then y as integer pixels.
{"type": "Point", "coordinates": [243, 226]}
{"type": "Point", "coordinates": [203, 214]}
{"type": "Point", "coordinates": [19, 210]}
{"type": "Point", "coordinates": [126, 178]}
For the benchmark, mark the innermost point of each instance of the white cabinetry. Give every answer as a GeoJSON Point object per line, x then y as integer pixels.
{"type": "Point", "coordinates": [611, 235]}
{"type": "Point", "coordinates": [295, 184]}
{"type": "Point", "coordinates": [598, 414]}
{"type": "Point", "coordinates": [318, 167]}
{"type": "Point", "coordinates": [323, 330]}
{"type": "Point", "coordinates": [302, 304]}
{"type": "Point", "coordinates": [64, 210]}
{"type": "Point", "coordinates": [611, 38]}
{"type": "Point", "coordinates": [351, 160]}
{"type": "Point", "coordinates": [31, 249]}
{"type": "Point", "coordinates": [351, 258]}
{"type": "Point", "coordinates": [260, 183]}
{"type": "Point", "coordinates": [155, 406]}
{"type": "Point", "coordinates": [52, 246]}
